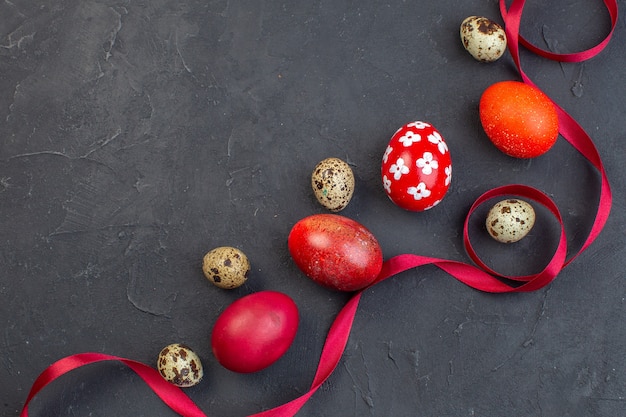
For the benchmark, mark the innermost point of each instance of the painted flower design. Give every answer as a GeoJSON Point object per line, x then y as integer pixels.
{"type": "Point", "coordinates": [418, 125]}
{"type": "Point", "coordinates": [387, 183]}
{"type": "Point", "coordinates": [436, 139]}
{"type": "Point", "coordinates": [398, 169]}
{"type": "Point", "coordinates": [387, 152]}
{"type": "Point", "coordinates": [427, 163]}
{"type": "Point", "coordinates": [416, 168]}
{"type": "Point", "coordinates": [419, 192]}
{"type": "Point", "coordinates": [409, 138]}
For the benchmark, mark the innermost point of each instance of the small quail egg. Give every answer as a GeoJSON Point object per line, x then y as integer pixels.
{"type": "Point", "coordinates": [226, 267]}
{"type": "Point", "coordinates": [483, 38]}
{"type": "Point", "coordinates": [333, 183]}
{"type": "Point", "coordinates": [180, 365]}
{"type": "Point", "coordinates": [510, 220]}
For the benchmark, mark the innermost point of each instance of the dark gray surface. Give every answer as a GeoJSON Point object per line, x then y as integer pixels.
{"type": "Point", "coordinates": [136, 136]}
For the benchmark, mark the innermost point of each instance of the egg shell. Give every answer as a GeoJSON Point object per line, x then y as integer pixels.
{"type": "Point", "coordinates": [226, 267]}
{"type": "Point", "coordinates": [483, 38]}
{"type": "Point", "coordinates": [255, 331]}
{"type": "Point", "coordinates": [519, 119]}
{"type": "Point", "coordinates": [180, 365]}
{"type": "Point", "coordinates": [332, 181]}
{"type": "Point", "coordinates": [416, 167]}
{"type": "Point", "coordinates": [335, 251]}
{"type": "Point", "coordinates": [510, 220]}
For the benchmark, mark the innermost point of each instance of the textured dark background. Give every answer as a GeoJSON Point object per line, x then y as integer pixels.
{"type": "Point", "coordinates": [137, 135]}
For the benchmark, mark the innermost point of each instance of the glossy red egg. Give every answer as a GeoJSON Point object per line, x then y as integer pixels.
{"type": "Point", "coordinates": [416, 168]}
{"type": "Point", "coordinates": [255, 331]}
{"type": "Point", "coordinates": [335, 251]}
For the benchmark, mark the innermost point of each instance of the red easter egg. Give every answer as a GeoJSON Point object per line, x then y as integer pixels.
{"type": "Point", "coordinates": [416, 167]}
{"type": "Point", "coordinates": [335, 251]}
{"type": "Point", "coordinates": [255, 331]}
{"type": "Point", "coordinates": [519, 119]}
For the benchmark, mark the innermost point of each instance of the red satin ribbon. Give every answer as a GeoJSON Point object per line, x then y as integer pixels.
{"type": "Point", "coordinates": [480, 277]}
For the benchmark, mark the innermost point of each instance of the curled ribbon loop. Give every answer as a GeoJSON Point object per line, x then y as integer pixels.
{"type": "Point", "coordinates": [551, 270]}
{"type": "Point", "coordinates": [480, 277]}
{"type": "Point", "coordinates": [512, 19]}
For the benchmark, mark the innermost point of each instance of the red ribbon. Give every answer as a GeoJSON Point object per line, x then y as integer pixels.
{"type": "Point", "coordinates": [480, 277]}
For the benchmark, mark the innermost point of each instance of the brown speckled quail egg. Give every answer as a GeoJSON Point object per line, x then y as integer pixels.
{"type": "Point", "coordinates": [333, 183]}
{"type": "Point", "coordinates": [226, 267]}
{"type": "Point", "coordinates": [483, 38]}
{"type": "Point", "coordinates": [180, 365]}
{"type": "Point", "coordinates": [510, 220]}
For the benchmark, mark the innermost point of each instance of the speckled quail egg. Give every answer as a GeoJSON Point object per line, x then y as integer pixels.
{"type": "Point", "coordinates": [180, 365]}
{"type": "Point", "coordinates": [226, 267]}
{"type": "Point", "coordinates": [510, 220]}
{"type": "Point", "coordinates": [483, 38]}
{"type": "Point", "coordinates": [333, 183]}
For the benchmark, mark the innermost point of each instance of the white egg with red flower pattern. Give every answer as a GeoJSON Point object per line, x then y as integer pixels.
{"type": "Point", "coordinates": [416, 168]}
